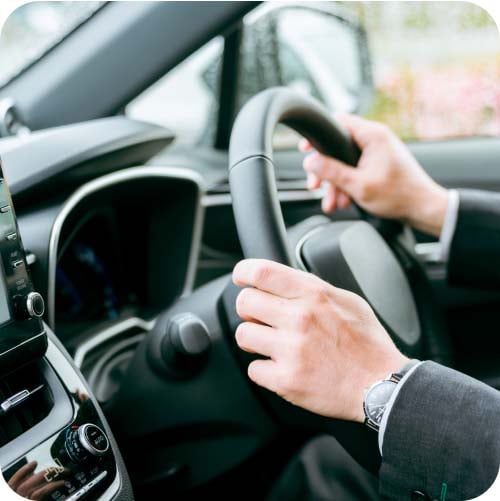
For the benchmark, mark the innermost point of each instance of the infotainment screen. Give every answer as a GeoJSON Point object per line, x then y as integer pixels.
{"type": "Point", "coordinates": [22, 336]}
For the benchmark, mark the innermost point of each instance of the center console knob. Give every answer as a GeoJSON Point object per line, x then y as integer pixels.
{"type": "Point", "coordinates": [29, 306]}
{"type": "Point", "coordinates": [35, 306]}
{"type": "Point", "coordinates": [85, 442]}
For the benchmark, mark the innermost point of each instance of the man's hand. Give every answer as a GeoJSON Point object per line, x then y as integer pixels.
{"type": "Point", "coordinates": [325, 345]}
{"type": "Point", "coordinates": [388, 181]}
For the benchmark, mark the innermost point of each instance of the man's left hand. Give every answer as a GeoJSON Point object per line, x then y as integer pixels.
{"type": "Point", "coordinates": [324, 345]}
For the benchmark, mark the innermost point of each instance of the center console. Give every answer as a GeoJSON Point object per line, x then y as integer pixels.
{"type": "Point", "coordinates": [55, 443]}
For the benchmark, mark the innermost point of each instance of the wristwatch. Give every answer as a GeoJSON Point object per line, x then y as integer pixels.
{"type": "Point", "coordinates": [379, 394]}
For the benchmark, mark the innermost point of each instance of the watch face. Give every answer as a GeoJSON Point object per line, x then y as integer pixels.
{"type": "Point", "coordinates": [376, 400]}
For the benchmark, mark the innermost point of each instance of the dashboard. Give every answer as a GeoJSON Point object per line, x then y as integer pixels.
{"type": "Point", "coordinates": [91, 279]}
{"type": "Point", "coordinates": [122, 246]}
{"type": "Point", "coordinates": [110, 256]}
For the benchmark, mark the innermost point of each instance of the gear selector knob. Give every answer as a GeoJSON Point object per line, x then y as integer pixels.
{"type": "Point", "coordinates": [181, 345]}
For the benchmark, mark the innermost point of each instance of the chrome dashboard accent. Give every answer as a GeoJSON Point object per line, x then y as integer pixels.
{"type": "Point", "coordinates": [30, 258]}
{"type": "Point", "coordinates": [99, 378]}
{"type": "Point", "coordinates": [109, 333]}
{"type": "Point", "coordinates": [296, 195]}
{"type": "Point", "coordinates": [87, 445]}
{"type": "Point", "coordinates": [112, 179]}
{"type": "Point", "coordinates": [17, 399]}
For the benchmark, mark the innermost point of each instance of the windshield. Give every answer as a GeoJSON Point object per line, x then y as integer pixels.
{"type": "Point", "coordinates": [33, 29]}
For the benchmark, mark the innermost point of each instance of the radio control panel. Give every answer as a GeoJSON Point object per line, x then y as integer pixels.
{"type": "Point", "coordinates": [76, 463]}
{"type": "Point", "coordinates": [22, 336]}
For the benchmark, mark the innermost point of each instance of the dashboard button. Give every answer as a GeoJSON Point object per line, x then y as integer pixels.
{"type": "Point", "coordinates": [77, 495]}
{"type": "Point", "coordinates": [35, 304]}
{"type": "Point", "coordinates": [30, 305]}
{"type": "Point", "coordinates": [85, 442]}
{"type": "Point", "coordinates": [93, 439]}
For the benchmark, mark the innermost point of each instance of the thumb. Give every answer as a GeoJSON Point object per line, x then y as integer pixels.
{"type": "Point", "coordinates": [330, 169]}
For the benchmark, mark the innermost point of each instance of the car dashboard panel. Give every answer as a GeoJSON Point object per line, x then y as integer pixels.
{"type": "Point", "coordinates": [91, 283]}
{"type": "Point", "coordinates": [122, 245]}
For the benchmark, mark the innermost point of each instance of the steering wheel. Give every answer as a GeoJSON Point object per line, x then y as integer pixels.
{"type": "Point", "coordinates": [188, 374]}
{"type": "Point", "coordinates": [351, 255]}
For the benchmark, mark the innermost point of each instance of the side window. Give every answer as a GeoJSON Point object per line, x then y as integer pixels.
{"type": "Point", "coordinates": [436, 68]}
{"type": "Point", "coordinates": [430, 70]}
{"type": "Point", "coordinates": [315, 50]}
{"type": "Point", "coordinates": [185, 100]}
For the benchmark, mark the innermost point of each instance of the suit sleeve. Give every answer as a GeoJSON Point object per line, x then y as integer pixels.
{"type": "Point", "coordinates": [442, 437]}
{"type": "Point", "coordinates": [474, 258]}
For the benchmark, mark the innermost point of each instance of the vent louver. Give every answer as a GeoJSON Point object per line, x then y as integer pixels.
{"type": "Point", "coordinates": [26, 400]}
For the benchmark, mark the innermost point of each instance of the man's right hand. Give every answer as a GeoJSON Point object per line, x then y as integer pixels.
{"type": "Point", "coordinates": [388, 181]}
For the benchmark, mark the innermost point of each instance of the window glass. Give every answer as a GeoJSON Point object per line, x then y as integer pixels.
{"type": "Point", "coordinates": [186, 99]}
{"type": "Point", "coordinates": [436, 67]}
{"type": "Point", "coordinates": [430, 70]}
{"type": "Point", "coordinates": [34, 28]}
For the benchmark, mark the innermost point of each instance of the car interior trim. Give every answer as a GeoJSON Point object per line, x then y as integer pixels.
{"type": "Point", "coordinates": [111, 179]}
{"type": "Point", "coordinates": [220, 199]}
{"type": "Point", "coordinates": [300, 244]}
{"type": "Point", "coordinates": [109, 333]}
{"type": "Point", "coordinates": [57, 358]}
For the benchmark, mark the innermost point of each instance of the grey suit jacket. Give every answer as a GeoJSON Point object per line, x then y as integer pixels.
{"type": "Point", "coordinates": [442, 439]}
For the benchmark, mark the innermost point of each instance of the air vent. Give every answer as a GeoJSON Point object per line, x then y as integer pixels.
{"type": "Point", "coordinates": [25, 399]}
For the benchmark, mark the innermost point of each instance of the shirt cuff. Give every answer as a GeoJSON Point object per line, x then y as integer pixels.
{"type": "Point", "coordinates": [449, 226]}
{"type": "Point", "coordinates": [388, 408]}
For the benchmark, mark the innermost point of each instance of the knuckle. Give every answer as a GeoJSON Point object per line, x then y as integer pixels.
{"type": "Point", "coordinates": [322, 295]}
{"type": "Point", "coordinates": [382, 132]}
{"type": "Point", "coordinates": [261, 273]}
{"type": "Point", "coordinates": [343, 177]}
{"type": "Point", "coordinates": [293, 380]}
{"type": "Point", "coordinates": [367, 190]}
{"type": "Point", "coordinates": [304, 318]}
{"type": "Point", "coordinates": [297, 345]}
{"type": "Point", "coordinates": [242, 300]}
{"type": "Point", "coordinates": [252, 372]}
{"type": "Point", "coordinates": [241, 332]}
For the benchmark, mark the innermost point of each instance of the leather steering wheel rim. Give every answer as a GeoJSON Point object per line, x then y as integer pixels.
{"type": "Point", "coordinates": [251, 167]}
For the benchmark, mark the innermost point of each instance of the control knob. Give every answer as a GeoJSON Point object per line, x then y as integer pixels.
{"type": "Point", "coordinates": [30, 306]}
{"type": "Point", "coordinates": [85, 442]}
